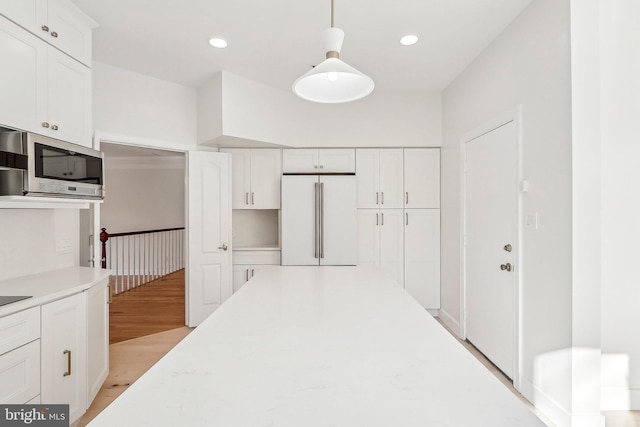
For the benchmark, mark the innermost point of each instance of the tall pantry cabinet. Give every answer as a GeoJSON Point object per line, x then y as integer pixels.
{"type": "Point", "coordinates": [399, 217]}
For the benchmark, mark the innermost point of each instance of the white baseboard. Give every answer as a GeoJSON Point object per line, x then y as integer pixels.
{"type": "Point", "coordinates": [451, 322]}
{"type": "Point", "coordinates": [555, 412]}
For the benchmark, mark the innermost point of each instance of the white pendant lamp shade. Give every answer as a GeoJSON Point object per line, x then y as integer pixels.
{"type": "Point", "coordinates": [333, 81]}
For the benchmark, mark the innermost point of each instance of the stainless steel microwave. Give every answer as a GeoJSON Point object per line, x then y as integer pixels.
{"type": "Point", "coordinates": [35, 165]}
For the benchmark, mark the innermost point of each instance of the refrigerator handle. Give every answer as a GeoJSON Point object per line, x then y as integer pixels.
{"type": "Point", "coordinates": [316, 220]}
{"type": "Point", "coordinates": [322, 220]}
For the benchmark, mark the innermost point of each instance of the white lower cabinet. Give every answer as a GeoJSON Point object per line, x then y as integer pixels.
{"type": "Point", "coordinates": [422, 256]}
{"type": "Point", "coordinates": [248, 263]}
{"type": "Point", "coordinates": [381, 241]}
{"type": "Point", "coordinates": [20, 374]}
{"type": "Point", "coordinates": [97, 338]}
{"type": "Point", "coordinates": [64, 355]}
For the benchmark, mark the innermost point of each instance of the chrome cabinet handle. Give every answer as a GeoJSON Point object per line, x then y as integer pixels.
{"type": "Point", "coordinates": [383, 197]}
{"type": "Point", "coordinates": [54, 127]}
{"type": "Point", "coordinates": [224, 247]}
{"type": "Point", "coordinates": [316, 226]}
{"type": "Point", "coordinates": [376, 219]}
{"type": "Point", "coordinates": [376, 197]}
{"type": "Point", "coordinates": [321, 219]}
{"type": "Point", "coordinates": [45, 28]}
{"type": "Point", "coordinates": [54, 34]}
{"type": "Point", "coordinates": [246, 198]}
{"type": "Point", "coordinates": [382, 216]}
{"type": "Point", "coordinates": [407, 198]}
{"type": "Point", "coordinates": [252, 272]}
{"type": "Point", "coordinates": [252, 199]}
{"type": "Point", "coordinates": [247, 275]}
{"type": "Point", "coordinates": [45, 124]}
{"type": "Point", "coordinates": [407, 220]}
{"type": "Point", "coordinates": [68, 354]}
{"type": "Point", "coordinates": [506, 266]}
{"type": "Point", "coordinates": [507, 247]}
{"type": "Point", "coordinates": [321, 166]}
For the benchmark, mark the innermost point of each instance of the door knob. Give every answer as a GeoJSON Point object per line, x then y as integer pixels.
{"type": "Point", "coordinates": [224, 247]}
{"type": "Point", "coordinates": [507, 247]}
{"type": "Point", "coordinates": [506, 266]}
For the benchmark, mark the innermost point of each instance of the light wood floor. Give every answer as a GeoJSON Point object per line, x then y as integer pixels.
{"type": "Point", "coordinates": [151, 308]}
{"type": "Point", "coordinates": [128, 360]}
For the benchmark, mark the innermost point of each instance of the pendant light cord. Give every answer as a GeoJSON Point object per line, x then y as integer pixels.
{"type": "Point", "coordinates": [331, 13]}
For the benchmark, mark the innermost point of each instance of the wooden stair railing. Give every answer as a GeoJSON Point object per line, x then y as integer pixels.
{"type": "Point", "coordinates": [138, 257]}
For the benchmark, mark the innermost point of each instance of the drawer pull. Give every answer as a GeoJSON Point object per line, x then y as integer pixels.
{"type": "Point", "coordinates": [54, 34]}
{"type": "Point", "coordinates": [68, 354]}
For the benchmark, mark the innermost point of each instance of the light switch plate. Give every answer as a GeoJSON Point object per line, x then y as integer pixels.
{"type": "Point", "coordinates": [531, 221]}
{"type": "Point", "coordinates": [63, 244]}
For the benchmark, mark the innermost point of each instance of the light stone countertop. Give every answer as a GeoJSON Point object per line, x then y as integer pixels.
{"type": "Point", "coordinates": [318, 346]}
{"type": "Point", "coordinates": [48, 286]}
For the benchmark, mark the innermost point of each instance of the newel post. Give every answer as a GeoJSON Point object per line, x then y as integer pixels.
{"type": "Point", "coordinates": [104, 236]}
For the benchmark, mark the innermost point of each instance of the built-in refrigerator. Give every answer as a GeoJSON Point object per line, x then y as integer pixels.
{"type": "Point", "coordinates": [318, 220]}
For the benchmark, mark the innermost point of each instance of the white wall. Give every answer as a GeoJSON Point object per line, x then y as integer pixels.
{"type": "Point", "coordinates": [209, 106]}
{"type": "Point", "coordinates": [254, 111]}
{"type": "Point", "coordinates": [28, 244]}
{"type": "Point", "coordinates": [143, 194]}
{"type": "Point", "coordinates": [528, 65]}
{"type": "Point", "coordinates": [620, 68]}
{"type": "Point", "coordinates": [138, 106]}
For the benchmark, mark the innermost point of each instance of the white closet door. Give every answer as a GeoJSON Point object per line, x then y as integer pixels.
{"type": "Point", "coordinates": [391, 178]}
{"type": "Point", "coordinates": [369, 237]}
{"type": "Point", "coordinates": [422, 256]}
{"type": "Point", "coordinates": [422, 177]}
{"type": "Point", "coordinates": [392, 243]}
{"type": "Point", "coordinates": [368, 177]}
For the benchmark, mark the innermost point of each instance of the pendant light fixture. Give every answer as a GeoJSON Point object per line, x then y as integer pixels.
{"type": "Point", "coordinates": [333, 81]}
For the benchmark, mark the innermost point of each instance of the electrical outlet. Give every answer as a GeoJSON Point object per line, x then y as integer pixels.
{"type": "Point", "coordinates": [531, 221]}
{"type": "Point", "coordinates": [63, 245]}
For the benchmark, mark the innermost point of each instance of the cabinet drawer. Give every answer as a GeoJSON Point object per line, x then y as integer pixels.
{"type": "Point", "coordinates": [20, 374]}
{"type": "Point", "coordinates": [256, 257]}
{"type": "Point", "coordinates": [19, 329]}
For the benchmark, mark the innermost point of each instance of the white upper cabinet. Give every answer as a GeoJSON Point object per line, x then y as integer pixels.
{"type": "Point", "coordinates": [58, 22]}
{"type": "Point", "coordinates": [255, 178]}
{"type": "Point", "coordinates": [323, 160]}
{"type": "Point", "coordinates": [23, 84]}
{"type": "Point", "coordinates": [380, 178]}
{"type": "Point", "coordinates": [422, 177]}
{"type": "Point", "coordinates": [68, 100]}
{"type": "Point", "coordinates": [44, 91]}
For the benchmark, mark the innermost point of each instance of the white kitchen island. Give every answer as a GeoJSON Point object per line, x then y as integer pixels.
{"type": "Point", "coordinates": [318, 346]}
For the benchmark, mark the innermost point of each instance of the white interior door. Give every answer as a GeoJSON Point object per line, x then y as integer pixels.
{"type": "Point", "coordinates": [490, 225]}
{"type": "Point", "coordinates": [209, 234]}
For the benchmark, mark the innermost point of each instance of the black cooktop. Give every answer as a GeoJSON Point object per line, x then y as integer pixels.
{"type": "Point", "coordinates": [8, 300]}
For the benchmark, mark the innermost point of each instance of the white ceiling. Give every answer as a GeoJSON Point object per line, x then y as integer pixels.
{"type": "Point", "coordinates": [276, 41]}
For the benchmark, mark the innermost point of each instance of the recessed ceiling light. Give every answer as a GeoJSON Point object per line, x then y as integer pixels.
{"type": "Point", "coordinates": [218, 42]}
{"type": "Point", "coordinates": [408, 40]}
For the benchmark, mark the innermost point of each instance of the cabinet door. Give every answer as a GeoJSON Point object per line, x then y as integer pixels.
{"type": "Point", "coordinates": [392, 244]}
{"type": "Point", "coordinates": [97, 338]}
{"type": "Point", "coordinates": [338, 220]}
{"type": "Point", "coordinates": [391, 178]}
{"type": "Point", "coordinates": [241, 274]}
{"type": "Point", "coordinates": [69, 30]}
{"type": "Point", "coordinates": [69, 100]}
{"type": "Point", "coordinates": [23, 78]}
{"type": "Point", "coordinates": [20, 374]}
{"type": "Point", "coordinates": [368, 177]}
{"type": "Point", "coordinates": [240, 177]}
{"type": "Point", "coordinates": [64, 342]}
{"type": "Point", "coordinates": [339, 160]}
{"type": "Point", "coordinates": [300, 160]}
{"type": "Point", "coordinates": [422, 256]}
{"type": "Point", "coordinates": [30, 14]}
{"type": "Point", "coordinates": [422, 177]}
{"type": "Point", "coordinates": [266, 171]}
{"type": "Point", "coordinates": [368, 237]}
